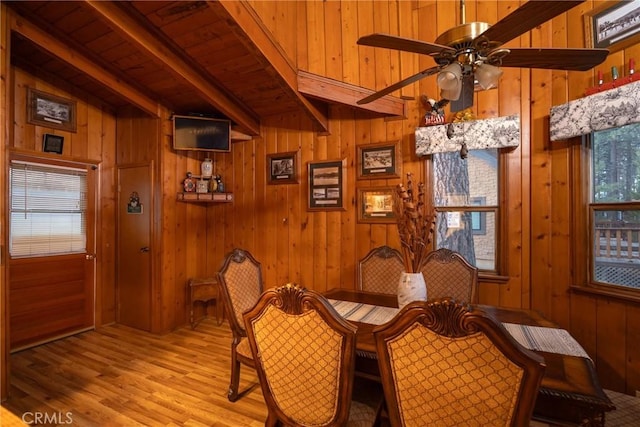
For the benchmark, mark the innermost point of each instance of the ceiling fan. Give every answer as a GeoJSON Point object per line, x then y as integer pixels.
{"type": "Point", "coordinates": [470, 54]}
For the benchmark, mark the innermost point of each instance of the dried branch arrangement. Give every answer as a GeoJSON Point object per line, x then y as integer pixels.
{"type": "Point", "coordinates": [416, 224]}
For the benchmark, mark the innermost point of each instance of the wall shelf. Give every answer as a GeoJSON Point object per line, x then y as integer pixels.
{"type": "Point", "coordinates": [205, 197]}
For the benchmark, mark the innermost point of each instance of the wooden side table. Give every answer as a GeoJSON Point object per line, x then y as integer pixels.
{"type": "Point", "coordinates": [204, 290]}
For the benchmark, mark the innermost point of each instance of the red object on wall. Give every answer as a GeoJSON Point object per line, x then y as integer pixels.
{"type": "Point", "coordinates": [610, 85]}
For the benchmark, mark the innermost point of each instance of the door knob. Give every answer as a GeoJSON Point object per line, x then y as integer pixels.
{"type": "Point", "coordinates": [144, 249]}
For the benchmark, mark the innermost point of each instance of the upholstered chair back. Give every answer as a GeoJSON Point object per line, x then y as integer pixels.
{"type": "Point", "coordinates": [447, 274]}
{"type": "Point", "coordinates": [305, 357]}
{"type": "Point", "coordinates": [240, 280]}
{"type": "Point", "coordinates": [444, 363]}
{"type": "Point", "coordinates": [380, 270]}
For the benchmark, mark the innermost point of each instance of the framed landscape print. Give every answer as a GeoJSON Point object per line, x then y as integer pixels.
{"type": "Point", "coordinates": [613, 25]}
{"type": "Point", "coordinates": [379, 161]}
{"type": "Point", "coordinates": [327, 184]}
{"type": "Point", "coordinates": [375, 204]}
{"type": "Point", "coordinates": [282, 168]}
{"type": "Point", "coordinates": [44, 109]}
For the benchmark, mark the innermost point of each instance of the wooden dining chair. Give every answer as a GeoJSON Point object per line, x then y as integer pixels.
{"type": "Point", "coordinates": [444, 363]}
{"type": "Point", "coordinates": [305, 358]}
{"type": "Point", "coordinates": [240, 280]}
{"type": "Point", "coordinates": [447, 274]}
{"type": "Point", "coordinates": [380, 270]}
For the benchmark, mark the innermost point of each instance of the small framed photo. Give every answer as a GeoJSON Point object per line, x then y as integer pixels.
{"type": "Point", "coordinates": [379, 161]}
{"type": "Point", "coordinates": [327, 185]}
{"type": "Point", "coordinates": [282, 168]}
{"type": "Point", "coordinates": [52, 143]}
{"type": "Point", "coordinates": [375, 204]}
{"type": "Point", "coordinates": [613, 25]}
{"type": "Point", "coordinates": [51, 111]}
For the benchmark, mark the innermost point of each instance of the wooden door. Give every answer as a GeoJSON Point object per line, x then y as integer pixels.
{"type": "Point", "coordinates": [52, 296]}
{"type": "Point", "coordinates": [133, 287]}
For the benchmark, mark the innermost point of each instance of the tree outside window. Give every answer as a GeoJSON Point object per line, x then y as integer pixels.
{"type": "Point", "coordinates": [465, 194]}
{"type": "Point", "coordinates": [615, 206]}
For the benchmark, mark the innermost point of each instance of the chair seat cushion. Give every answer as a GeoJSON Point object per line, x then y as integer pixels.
{"type": "Point", "coordinates": [244, 349]}
{"type": "Point", "coordinates": [361, 415]}
{"type": "Point", "coordinates": [366, 403]}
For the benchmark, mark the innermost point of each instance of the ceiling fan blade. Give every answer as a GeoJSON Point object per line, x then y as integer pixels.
{"type": "Point", "coordinates": [555, 58]}
{"type": "Point", "coordinates": [398, 85]}
{"type": "Point", "coordinates": [526, 17]}
{"type": "Point", "coordinates": [401, 43]}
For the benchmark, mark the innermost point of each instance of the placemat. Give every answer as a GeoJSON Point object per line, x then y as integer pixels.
{"type": "Point", "coordinates": [551, 340]}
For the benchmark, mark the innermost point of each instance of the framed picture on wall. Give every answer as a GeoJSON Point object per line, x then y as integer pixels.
{"type": "Point", "coordinates": [327, 185]}
{"type": "Point", "coordinates": [282, 168]}
{"type": "Point", "coordinates": [44, 109]}
{"type": "Point", "coordinates": [52, 143]}
{"type": "Point", "coordinates": [375, 204]}
{"type": "Point", "coordinates": [613, 25]}
{"type": "Point", "coordinates": [379, 161]}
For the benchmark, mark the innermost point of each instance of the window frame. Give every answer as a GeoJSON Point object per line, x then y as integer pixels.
{"type": "Point", "coordinates": [582, 214]}
{"type": "Point", "coordinates": [498, 274]}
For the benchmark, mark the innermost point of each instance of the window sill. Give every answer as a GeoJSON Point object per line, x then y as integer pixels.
{"type": "Point", "coordinates": [626, 295]}
{"type": "Point", "coordinates": [492, 278]}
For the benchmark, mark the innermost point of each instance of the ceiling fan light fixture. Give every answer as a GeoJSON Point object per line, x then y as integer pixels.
{"type": "Point", "coordinates": [450, 81]}
{"type": "Point", "coordinates": [488, 75]}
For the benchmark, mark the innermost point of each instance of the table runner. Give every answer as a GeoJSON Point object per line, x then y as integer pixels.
{"type": "Point", "coordinates": [364, 313]}
{"type": "Point", "coordinates": [538, 338]}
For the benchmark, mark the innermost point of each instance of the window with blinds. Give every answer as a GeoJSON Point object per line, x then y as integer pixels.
{"type": "Point", "coordinates": [47, 209]}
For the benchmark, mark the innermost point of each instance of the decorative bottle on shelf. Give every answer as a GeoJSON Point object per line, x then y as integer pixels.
{"type": "Point", "coordinates": [213, 184]}
{"type": "Point", "coordinates": [206, 168]}
{"type": "Point", "coordinates": [202, 186]}
{"type": "Point", "coordinates": [188, 184]}
{"type": "Point", "coordinates": [220, 184]}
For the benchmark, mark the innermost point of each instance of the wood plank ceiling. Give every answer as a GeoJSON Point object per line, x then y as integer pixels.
{"type": "Point", "coordinates": [213, 58]}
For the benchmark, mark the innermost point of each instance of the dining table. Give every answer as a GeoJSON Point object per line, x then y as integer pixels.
{"type": "Point", "coordinates": [570, 392]}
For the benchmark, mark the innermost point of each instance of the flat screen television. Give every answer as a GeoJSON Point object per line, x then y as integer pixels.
{"type": "Point", "coordinates": [201, 134]}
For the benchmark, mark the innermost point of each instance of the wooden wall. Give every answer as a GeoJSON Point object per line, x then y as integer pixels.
{"type": "Point", "coordinates": [320, 249]}
{"type": "Point", "coordinates": [4, 136]}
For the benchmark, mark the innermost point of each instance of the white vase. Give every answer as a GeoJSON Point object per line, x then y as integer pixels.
{"type": "Point", "coordinates": [206, 168]}
{"type": "Point", "coordinates": [411, 288]}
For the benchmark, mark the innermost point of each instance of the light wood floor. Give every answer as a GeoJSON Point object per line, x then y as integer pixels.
{"type": "Point", "coordinates": [119, 376]}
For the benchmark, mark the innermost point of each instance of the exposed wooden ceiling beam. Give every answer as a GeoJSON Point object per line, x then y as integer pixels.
{"type": "Point", "coordinates": [74, 58]}
{"type": "Point", "coordinates": [242, 17]}
{"type": "Point", "coordinates": [330, 90]}
{"type": "Point", "coordinates": [130, 28]}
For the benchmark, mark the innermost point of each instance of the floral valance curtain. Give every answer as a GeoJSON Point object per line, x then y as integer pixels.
{"type": "Point", "coordinates": [496, 132]}
{"type": "Point", "coordinates": [604, 110]}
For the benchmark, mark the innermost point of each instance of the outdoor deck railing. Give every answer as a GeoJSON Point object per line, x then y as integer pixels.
{"type": "Point", "coordinates": [618, 242]}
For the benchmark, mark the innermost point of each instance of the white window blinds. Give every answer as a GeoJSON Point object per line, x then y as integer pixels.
{"type": "Point", "coordinates": [47, 209]}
